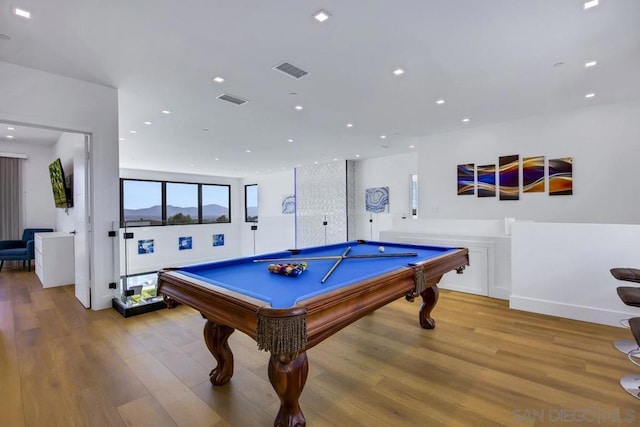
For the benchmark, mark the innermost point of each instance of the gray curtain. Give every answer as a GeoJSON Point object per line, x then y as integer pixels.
{"type": "Point", "coordinates": [10, 198]}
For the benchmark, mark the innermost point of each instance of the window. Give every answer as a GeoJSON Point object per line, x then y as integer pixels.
{"type": "Point", "coordinates": [144, 203]}
{"type": "Point", "coordinates": [141, 202]}
{"type": "Point", "coordinates": [182, 203]}
{"type": "Point", "coordinates": [215, 203]}
{"type": "Point", "coordinates": [251, 203]}
{"type": "Point", "coordinates": [414, 196]}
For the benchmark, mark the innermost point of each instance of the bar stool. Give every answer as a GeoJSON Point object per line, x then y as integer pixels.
{"type": "Point", "coordinates": [631, 297]}
{"type": "Point", "coordinates": [631, 383]}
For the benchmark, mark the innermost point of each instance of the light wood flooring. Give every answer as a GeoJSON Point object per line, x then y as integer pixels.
{"type": "Point", "coordinates": [483, 365]}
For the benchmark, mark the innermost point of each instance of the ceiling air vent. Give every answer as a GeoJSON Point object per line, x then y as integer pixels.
{"type": "Point", "coordinates": [291, 70]}
{"type": "Point", "coordinates": [232, 99]}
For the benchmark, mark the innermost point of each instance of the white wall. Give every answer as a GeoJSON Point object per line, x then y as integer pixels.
{"type": "Point", "coordinates": [38, 208]}
{"type": "Point", "coordinates": [393, 172]}
{"type": "Point", "coordinates": [603, 141]}
{"type": "Point", "coordinates": [29, 96]}
{"type": "Point", "coordinates": [166, 253]}
{"type": "Point", "coordinates": [276, 231]}
{"type": "Point", "coordinates": [563, 269]}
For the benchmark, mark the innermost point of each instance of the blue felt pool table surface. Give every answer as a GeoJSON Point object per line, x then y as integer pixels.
{"type": "Point", "coordinates": [253, 279]}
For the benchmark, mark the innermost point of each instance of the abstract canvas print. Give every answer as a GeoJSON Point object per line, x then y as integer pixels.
{"type": "Point", "coordinates": [533, 174]}
{"type": "Point", "coordinates": [289, 204]}
{"type": "Point", "coordinates": [486, 180]}
{"type": "Point", "coordinates": [509, 177]}
{"type": "Point", "coordinates": [218, 240]}
{"type": "Point", "coordinates": [466, 180]}
{"type": "Point", "coordinates": [145, 246]}
{"type": "Point", "coordinates": [561, 176]}
{"type": "Point", "coordinates": [184, 243]}
{"type": "Point", "coordinates": [377, 199]}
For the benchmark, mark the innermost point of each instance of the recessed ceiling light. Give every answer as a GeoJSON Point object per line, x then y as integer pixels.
{"type": "Point", "coordinates": [357, 155]}
{"type": "Point", "coordinates": [22, 13]}
{"type": "Point", "coordinates": [466, 120]}
{"type": "Point", "coordinates": [590, 64]}
{"type": "Point", "coordinates": [147, 123]}
{"type": "Point", "coordinates": [440, 101]}
{"type": "Point", "coordinates": [590, 95]}
{"type": "Point", "coordinates": [9, 136]}
{"type": "Point", "coordinates": [412, 146]}
{"type": "Point", "coordinates": [383, 136]}
{"type": "Point", "coordinates": [248, 151]}
{"type": "Point", "coordinates": [122, 139]}
{"type": "Point", "coordinates": [166, 112]}
{"type": "Point", "coordinates": [217, 158]}
{"type": "Point", "coordinates": [218, 79]}
{"type": "Point", "coordinates": [321, 16]}
{"type": "Point", "coordinates": [349, 125]}
{"type": "Point", "coordinates": [335, 159]}
{"type": "Point", "coordinates": [315, 163]}
{"type": "Point", "coordinates": [10, 128]}
{"type": "Point", "coordinates": [290, 140]}
{"type": "Point", "coordinates": [398, 72]}
{"type": "Point", "coordinates": [299, 107]}
{"type": "Point", "coordinates": [591, 3]}
{"type": "Point", "coordinates": [133, 131]}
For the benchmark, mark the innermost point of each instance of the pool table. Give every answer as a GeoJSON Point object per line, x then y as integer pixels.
{"type": "Point", "coordinates": [288, 315]}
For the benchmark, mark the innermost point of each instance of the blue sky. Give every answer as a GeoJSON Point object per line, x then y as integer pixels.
{"type": "Point", "coordinates": [144, 194]}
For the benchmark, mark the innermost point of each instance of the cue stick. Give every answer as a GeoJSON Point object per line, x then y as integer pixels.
{"type": "Point", "coordinates": [337, 263]}
{"type": "Point", "coordinates": [312, 258]}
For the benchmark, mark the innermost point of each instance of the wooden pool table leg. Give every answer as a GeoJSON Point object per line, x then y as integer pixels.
{"type": "Point", "coordinates": [216, 337]}
{"type": "Point", "coordinates": [429, 300]}
{"type": "Point", "coordinates": [288, 374]}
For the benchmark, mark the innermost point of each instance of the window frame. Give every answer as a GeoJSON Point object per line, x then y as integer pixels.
{"type": "Point", "coordinates": [246, 212]}
{"type": "Point", "coordinates": [163, 187]}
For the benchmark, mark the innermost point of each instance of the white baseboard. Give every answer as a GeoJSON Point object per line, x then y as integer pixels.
{"type": "Point", "coordinates": [585, 314]}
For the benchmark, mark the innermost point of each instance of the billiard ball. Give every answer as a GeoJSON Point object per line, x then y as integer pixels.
{"type": "Point", "coordinates": [381, 249]}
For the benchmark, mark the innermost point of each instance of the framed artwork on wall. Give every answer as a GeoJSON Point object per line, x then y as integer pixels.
{"type": "Point", "coordinates": [466, 180]}
{"type": "Point", "coordinates": [486, 180]}
{"type": "Point", "coordinates": [561, 176]}
{"type": "Point", "coordinates": [185, 243]}
{"type": "Point", "coordinates": [533, 174]}
{"type": "Point", "coordinates": [509, 177]}
{"type": "Point", "coordinates": [377, 199]}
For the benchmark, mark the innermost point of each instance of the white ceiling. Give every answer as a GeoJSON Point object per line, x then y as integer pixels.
{"type": "Point", "coordinates": [491, 61]}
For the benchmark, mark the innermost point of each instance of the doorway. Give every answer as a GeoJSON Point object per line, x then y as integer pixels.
{"type": "Point", "coordinates": [41, 146]}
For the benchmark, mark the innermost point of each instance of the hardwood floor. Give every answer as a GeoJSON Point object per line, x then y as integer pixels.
{"type": "Point", "coordinates": [483, 365]}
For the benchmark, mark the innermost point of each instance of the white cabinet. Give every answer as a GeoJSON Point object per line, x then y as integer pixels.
{"type": "Point", "coordinates": [55, 265]}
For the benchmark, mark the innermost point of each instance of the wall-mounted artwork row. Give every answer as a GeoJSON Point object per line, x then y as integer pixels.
{"type": "Point", "coordinates": [509, 177]}
{"type": "Point", "coordinates": [486, 181]}
{"type": "Point", "coordinates": [377, 199]}
{"type": "Point", "coordinates": [559, 174]}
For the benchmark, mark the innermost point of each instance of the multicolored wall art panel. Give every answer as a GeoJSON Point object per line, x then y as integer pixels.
{"type": "Point", "coordinates": [377, 199]}
{"type": "Point", "coordinates": [486, 180]}
{"type": "Point", "coordinates": [533, 174]}
{"type": "Point", "coordinates": [561, 176]}
{"type": "Point", "coordinates": [508, 176]}
{"type": "Point", "coordinates": [466, 180]}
